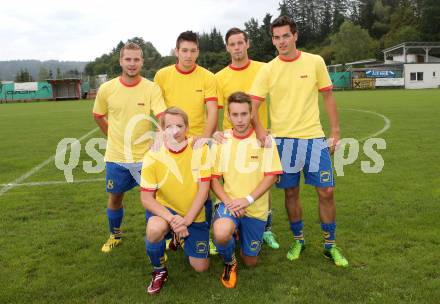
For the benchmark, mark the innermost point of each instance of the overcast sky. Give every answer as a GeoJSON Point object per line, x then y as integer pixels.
{"type": "Point", "coordinates": [82, 30]}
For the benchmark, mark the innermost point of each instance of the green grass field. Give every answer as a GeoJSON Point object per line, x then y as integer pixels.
{"type": "Point", "coordinates": [388, 223]}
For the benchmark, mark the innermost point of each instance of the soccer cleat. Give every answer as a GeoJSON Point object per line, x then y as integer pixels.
{"type": "Point", "coordinates": [212, 248]}
{"type": "Point", "coordinates": [269, 239]}
{"type": "Point", "coordinates": [229, 276]}
{"type": "Point", "coordinates": [157, 281]}
{"type": "Point", "coordinates": [334, 253]}
{"type": "Point", "coordinates": [111, 243]}
{"type": "Point", "coordinates": [295, 250]}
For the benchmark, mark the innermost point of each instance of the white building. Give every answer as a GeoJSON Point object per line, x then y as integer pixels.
{"type": "Point", "coordinates": [421, 70]}
{"type": "Point", "coordinates": [422, 75]}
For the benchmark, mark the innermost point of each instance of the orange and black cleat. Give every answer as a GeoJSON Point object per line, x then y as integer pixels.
{"type": "Point", "coordinates": [229, 276]}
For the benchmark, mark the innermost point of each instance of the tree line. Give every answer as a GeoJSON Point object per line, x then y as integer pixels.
{"type": "Point", "coordinates": [36, 70]}
{"type": "Point", "coordinates": [339, 30]}
{"type": "Point", "coordinates": [43, 74]}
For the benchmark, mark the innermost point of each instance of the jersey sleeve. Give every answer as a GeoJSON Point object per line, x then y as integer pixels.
{"type": "Point", "coordinates": [322, 76]}
{"type": "Point", "coordinates": [100, 107]}
{"type": "Point", "coordinates": [260, 86]}
{"type": "Point", "coordinates": [271, 160]}
{"type": "Point", "coordinates": [158, 77]}
{"type": "Point", "coordinates": [201, 165]}
{"type": "Point", "coordinates": [220, 96]}
{"type": "Point", "coordinates": [206, 168]}
{"type": "Point", "coordinates": [156, 100]}
{"type": "Point", "coordinates": [215, 151]}
{"type": "Point", "coordinates": [210, 88]}
{"type": "Point", "coordinates": [149, 182]}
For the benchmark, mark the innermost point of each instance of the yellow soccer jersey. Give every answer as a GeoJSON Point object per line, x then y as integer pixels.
{"type": "Point", "coordinates": [243, 164]}
{"type": "Point", "coordinates": [231, 80]}
{"type": "Point", "coordinates": [293, 90]}
{"type": "Point", "coordinates": [188, 91]}
{"type": "Point", "coordinates": [127, 108]}
{"type": "Point", "coordinates": [175, 176]}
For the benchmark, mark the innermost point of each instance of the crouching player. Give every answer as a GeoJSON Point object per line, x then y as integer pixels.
{"type": "Point", "coordinates": [174, 188]}
{"type": "Point", "coordinates": [248, 171]}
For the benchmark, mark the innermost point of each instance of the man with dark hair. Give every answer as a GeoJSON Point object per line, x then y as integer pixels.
{"type": "Point", "coordinates": [293, 80]}
{"type": "Point", "coordinates": [189, 36]}
{"type": "Point", "coordinates": [282, 21]}
{"type": "Point", "coordinates": [239, 76]}
{"type": "Point", "coordinates": [119, 101]}
{"type": "Point", "coordinates": [193, 89]}
{"type": "Point", "coordinates": [248, 172]}
{"type": "Point", "coordinates": [190, 87]}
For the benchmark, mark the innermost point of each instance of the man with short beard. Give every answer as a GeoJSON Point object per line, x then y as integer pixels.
{"type": "Point", "coordinates": [119, 101]}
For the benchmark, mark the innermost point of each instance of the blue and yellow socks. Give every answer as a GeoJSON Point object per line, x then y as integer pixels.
{"type": "Point", "coordinates": [114, 221]}
{"type": "Point", "coordinates": [297, 230]}
{"type": "Point", "coordinates": [156, 253]}
{"type": "Point", "coordinates": [227, 251]}
{"type": "Point", "coordinates": [329, 231]}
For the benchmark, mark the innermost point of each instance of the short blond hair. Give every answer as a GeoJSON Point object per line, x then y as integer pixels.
{"type": "Point", "coordinates": [174, 111]}
{"type": "Point", "coordinates": [130, 46]}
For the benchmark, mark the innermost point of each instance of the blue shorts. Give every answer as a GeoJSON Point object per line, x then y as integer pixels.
{"type": "Point", "coordinates": [121, 177]}
{"type": "Point", "coordinates": [251, 230]}
{"type": "Point", "coordinates": [311, 156]}
{"type": "Point", "coordinates": [196, 245]}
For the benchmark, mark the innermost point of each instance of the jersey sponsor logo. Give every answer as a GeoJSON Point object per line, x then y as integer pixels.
{"type": "Point", "coordinates": [141, 104]}
{"type": "Point", "coordinates": [325, 176]}
{"type": "Point", "coordinates": [304, 76]}
{"type": "Point", "coordinates": [255, 245]}
{"type": "Point", "coordinates": [254, 156]}
{"type": "Point", "coordinates": [202, 247]}
{"type": "Point", "coordinates": [199, 91]}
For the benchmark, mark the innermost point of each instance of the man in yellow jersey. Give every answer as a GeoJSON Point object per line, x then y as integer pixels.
{"type": "Point", "coordinates": [193, 89]}
{"type": "Point", "coordinates": [239, 76]}
{"type": "Point", "coordinates": [120, 110]}
{"type": "Point", "coordinates": [248, 171]}
{"type": "Point", "coordinates": [174, 170]}
{"type": "Point", "coordinates": [293, 80]}
{"type": "Point", "coordinates": [190, 87]}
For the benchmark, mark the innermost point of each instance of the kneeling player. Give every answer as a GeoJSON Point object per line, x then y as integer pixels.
{"type": "Point", "coordinates": [174, 190]}
{"type": "Point", "coordinates": [248, 172]}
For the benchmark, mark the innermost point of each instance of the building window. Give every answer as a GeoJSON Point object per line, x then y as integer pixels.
{"type": "Point", "coordinates": [416, 76]}
{"type": "Point", "coordinates": [433, 74]}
